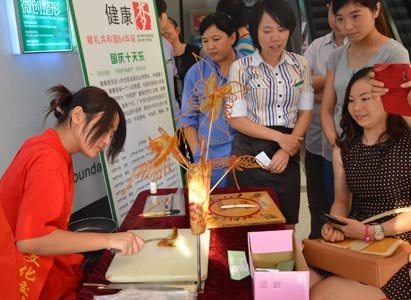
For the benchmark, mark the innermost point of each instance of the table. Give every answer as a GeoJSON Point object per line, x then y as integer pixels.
{"type": "Point", "coordinates": [218, 284]}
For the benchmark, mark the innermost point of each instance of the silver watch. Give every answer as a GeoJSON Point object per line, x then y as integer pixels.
{"type": "Point", "coordinates": [378, 232]}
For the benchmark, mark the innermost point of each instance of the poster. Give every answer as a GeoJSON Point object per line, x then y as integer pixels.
{"type": "Point", "coordinates": [121, 52]}
{"type": "Point", "coordinates": [43, 25]}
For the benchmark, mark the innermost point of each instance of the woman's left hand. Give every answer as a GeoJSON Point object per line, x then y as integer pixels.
{"type": "Point", "coordinates": [279, 162]}
{"type": "Point", "coordinates": [290, 143]}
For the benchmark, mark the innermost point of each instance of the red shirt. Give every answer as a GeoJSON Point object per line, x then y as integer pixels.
{"type": "Point", "coordinates": [36, 193]}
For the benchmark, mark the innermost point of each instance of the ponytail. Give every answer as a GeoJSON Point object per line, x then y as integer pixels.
{"type": "Point", "coordinates": [61, 98]}
{"type": "Point", "coordinates": [96, 103]}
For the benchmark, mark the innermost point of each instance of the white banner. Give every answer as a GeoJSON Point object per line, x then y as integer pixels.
{"type": "Point", "coordinates": [121, 52]}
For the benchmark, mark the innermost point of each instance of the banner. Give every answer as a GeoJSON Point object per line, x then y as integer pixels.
{"type": "Point", "coordinates": [43, 25]}
{"type": "Point", "coordinates": [121, 52]}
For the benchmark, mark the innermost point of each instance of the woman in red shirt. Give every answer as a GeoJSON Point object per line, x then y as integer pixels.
{"type": "Point", "coordinates": [36, 194]}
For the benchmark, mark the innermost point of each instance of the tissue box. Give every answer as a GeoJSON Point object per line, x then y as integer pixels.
{"type": "Point", "coordinates": [268, 248]}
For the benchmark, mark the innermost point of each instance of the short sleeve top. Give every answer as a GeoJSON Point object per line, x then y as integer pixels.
{"type": "Point", "coordinates": [272, 96]}
{"type": "Point", "coordinates": [391, 52]}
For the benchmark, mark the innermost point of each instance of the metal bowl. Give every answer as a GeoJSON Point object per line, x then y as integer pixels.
{"type": "Point", "coordinates": [95, 224]}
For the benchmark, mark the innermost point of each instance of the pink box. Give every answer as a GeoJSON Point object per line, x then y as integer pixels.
{"type": "Point", "coordinates": [268, 248]}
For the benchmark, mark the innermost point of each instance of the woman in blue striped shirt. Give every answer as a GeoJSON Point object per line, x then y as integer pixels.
{"type": "Point", "coordinates": [275, 110]}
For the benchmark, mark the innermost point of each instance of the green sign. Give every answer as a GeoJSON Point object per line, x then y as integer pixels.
{"type": "Point", "coordinates": [44, 25]}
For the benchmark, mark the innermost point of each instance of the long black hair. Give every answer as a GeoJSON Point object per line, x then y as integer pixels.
{"type": "Point", "coordinates": [380, 22]}
{"type": "Point", "coordinates": [395, 127]}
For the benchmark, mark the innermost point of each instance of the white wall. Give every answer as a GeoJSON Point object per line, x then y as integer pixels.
{"type": "Point", "coordinates": [24, 80]}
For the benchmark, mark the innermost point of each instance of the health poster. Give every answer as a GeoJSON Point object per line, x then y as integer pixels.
{"type": "Point", "coordinates": [121, 52]}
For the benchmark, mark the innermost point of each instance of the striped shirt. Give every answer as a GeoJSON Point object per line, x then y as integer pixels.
{"type": "Point", "coordinates": [272, 96]}
{"type": "Point", "coordinates": [245, 45]}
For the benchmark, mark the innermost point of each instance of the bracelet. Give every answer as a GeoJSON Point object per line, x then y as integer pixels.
{"type": "Point", "coordinates": [367, 237]}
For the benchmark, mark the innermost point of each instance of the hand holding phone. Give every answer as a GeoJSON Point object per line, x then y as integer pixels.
{"type": "Point", "coordinates": [393, 75]}
{"type": "Point", "coordinates": [262, 159]}
{"type": "Point", "coordinates": [332, 220]}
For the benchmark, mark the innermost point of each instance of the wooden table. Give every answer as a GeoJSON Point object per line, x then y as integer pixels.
{"type": "Point", "coordinates": [218, 284]}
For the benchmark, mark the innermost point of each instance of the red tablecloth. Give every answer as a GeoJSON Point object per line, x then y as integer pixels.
{"type": "Point", "coordinates": [218, 284]}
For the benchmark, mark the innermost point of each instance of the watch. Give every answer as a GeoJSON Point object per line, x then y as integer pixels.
{"type": "Point", "coordinates": [378, 232]}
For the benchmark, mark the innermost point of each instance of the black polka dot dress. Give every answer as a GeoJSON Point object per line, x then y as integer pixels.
{"type": "Point", "coordinates": [379, 177]}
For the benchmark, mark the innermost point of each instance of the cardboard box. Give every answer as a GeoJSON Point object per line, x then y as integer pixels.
{"type": "Point", "coordinates": [268, 248]}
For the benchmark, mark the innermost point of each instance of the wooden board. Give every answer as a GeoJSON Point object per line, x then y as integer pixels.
{"type": "Point", "coordinates": [262, 210]}
{"type": "Point", "coordinates": [159, 264]}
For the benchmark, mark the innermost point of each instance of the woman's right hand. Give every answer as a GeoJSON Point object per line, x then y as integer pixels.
{"type": "Point", "coordinates": [290, 143]}
{"type": "Point", "coordinates": [278, 162]}
{"type": "Point", "coordinates": [127, 242]}
{"type": "Point", "coordinates": [331, 234]}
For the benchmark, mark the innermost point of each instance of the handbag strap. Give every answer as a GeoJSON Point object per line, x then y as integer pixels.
{"type": "Point", "coordinates": [387, 213]}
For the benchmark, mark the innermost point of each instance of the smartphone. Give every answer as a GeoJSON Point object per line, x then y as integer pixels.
{"type": "Point", "coordinates": [393, 75]}
{"type": "Point", "coordinates": [332, 220]}
{"type": "Point", "coordinates": [262, 159]}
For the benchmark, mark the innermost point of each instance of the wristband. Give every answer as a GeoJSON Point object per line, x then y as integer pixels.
{"type": "Point", "coordinates": [367, 237]}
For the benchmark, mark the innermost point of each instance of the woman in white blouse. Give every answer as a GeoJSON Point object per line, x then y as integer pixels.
{"type": "Point", "coordinates": [275, 109]}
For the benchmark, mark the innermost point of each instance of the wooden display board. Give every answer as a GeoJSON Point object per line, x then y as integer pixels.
{"type": "Point", "coordinates": [242, 209]}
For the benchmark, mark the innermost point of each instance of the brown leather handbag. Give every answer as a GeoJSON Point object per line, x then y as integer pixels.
{"type": "Point", "coordinates": [351, 262]}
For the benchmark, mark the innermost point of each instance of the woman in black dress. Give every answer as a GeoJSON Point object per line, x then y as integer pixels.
{"type": "Point", "coordinates": [372, 172]}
